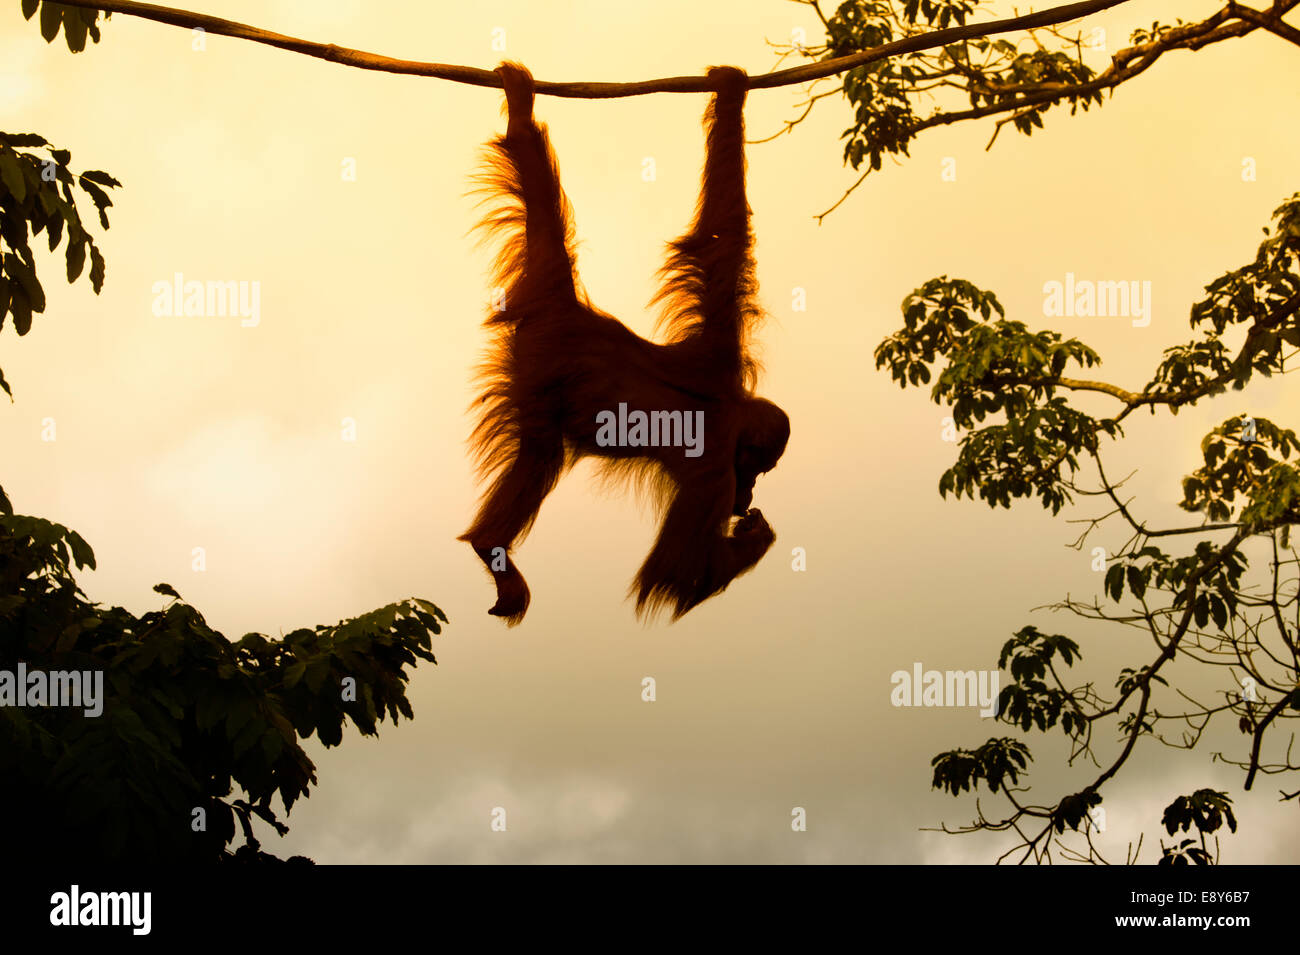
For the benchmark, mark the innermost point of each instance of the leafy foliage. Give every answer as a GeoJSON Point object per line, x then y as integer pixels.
{"type": "Point", "coordinates": [36, 196]}
{"type": "Point", "coordinates": [995, 763]}
{"type": "Point", "coordinates": [1029, 700]}
{"type": "Point", "coordinates": [1207, 810]}
{"type": "Point", "coordinates": [189, 717]}
{"type": "Point", "coordinates": [1072, 810]}
{"type": "Point", "coordinates": [76, 23]}
{"type": "Point", "coordinates": [995, 367]}
{"type": "Point", "coordinates": [991, 74]}
{"type": "Point", "coordinates": [1000, 367]}
{"type": "Point", "coordinates": [1264, 296]}
{"type": "Point", "coordinates": [999, 80]}
{"type": "Point", "coordinates": [956, 339]}
{"type": "Point", "coordinates": [1008, 387]}
{"type": "Point", "coordinates": [1216, 591]}
{"type": "Point", "coordinates": [1237, 465]}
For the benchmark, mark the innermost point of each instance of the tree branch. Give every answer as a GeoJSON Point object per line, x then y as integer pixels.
{"type": "Point", "coordinates": [474, 76]}
{"type": "Point", "coordinates": [1273, 23]}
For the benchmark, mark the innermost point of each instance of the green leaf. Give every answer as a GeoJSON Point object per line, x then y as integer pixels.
{"type": "Point", "coordinates": [22, 139]}
{"type": "Point", "coordinates": [240, 713]}
{"type": "Point", "coordinates": [317, 672]}
{"type": "Point", "coordinates": [250, 734]}
{"type": "Point", "coordinates": [101, 177]}
{"type": "Point", "coordinates": [272, 744]}
{"type": "Point", "coordinates": [294, 673]}
{"type": "Point", "coordinates": [1201, 610]}
{"type": "Point", "coordinates": [1135, 581]}
{"type": "Point", "coordinates": [82, 555]}
{"type": "Point", "coordinates": [21, 309]}
{"type": "Point", "coordinates": [76, 259]}
{"type": "Point", "coordinates": [99, 197]}
{"type": "Point", "coordinates": [96, 269]}
{"type": "Point", "coordinates": [55, 231]}
{"type": "Point", "coordinates": [51, 17]}
{"type": "Point", "coordinates": [26, 276]}
{"type": "Point", "coordinates": [207, 711]}
{"type": "Point", "coordinates": [11, 174]}
{"type": "Point", "coordinates": [1219, 611]}
{"type": "Point", "coordinates": [74, 31]}
{"type": "Point", "coordinates": [1115, 581]}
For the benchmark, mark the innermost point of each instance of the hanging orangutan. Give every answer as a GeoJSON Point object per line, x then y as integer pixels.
{"type": "Point", "coordinates": [565, 380]}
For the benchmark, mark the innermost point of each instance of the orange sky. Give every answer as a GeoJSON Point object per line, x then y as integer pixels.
{"type": "Point", "coordinates": [175, 433]}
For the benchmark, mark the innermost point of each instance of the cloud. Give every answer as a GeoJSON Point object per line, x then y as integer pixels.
{"type": "Point", "coordinates": [21, 83]}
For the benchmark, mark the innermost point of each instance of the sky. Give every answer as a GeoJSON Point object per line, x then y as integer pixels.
{"type": "Point", "coordinates": [178, 432]}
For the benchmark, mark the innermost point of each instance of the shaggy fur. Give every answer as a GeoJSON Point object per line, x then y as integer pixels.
{"type": "Point", "coordinates": [557, 362]}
